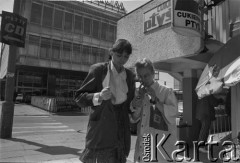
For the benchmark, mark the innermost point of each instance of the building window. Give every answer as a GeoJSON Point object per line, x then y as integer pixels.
{"type": "Point", "coordinates": [76, 53]}
{"type": "Point", "coordinates": [111, 32]}
{"type": "Point", "coordinates": [87, 26]}
{"type": "Point", "coordinates": [47, 16]}
{"type": "Point", "coordinates": [78, 24]}
{"type": "Point", "coordinates": [68, 21]}
{"type": "Point", "coordinates": [67, 50]}
{"type": "Point", "coordinates": [58, 19]}
{"type": "Point", "coordinates": [56, 48]}
{"type": "Point", "coordinates": [36, 13]}
{"type": "Point", "coordinates": [95, 55]}
{"type": "Point", "coordinates": [33, 47]}
{"type": "Point", "coordinates": [37, 81]}
{"type": "Point", "coordinates": [31, 84]}
{"type": "Point", "coordinates": [95, 30]}
{"type": "Point", "coordinates": [28, 79]}
{"type": "Point", "coordinates": [86, 54]}
{"type": "Point", "coordinates": [67, 85]}
{"type": "Point", "coordinates": [45, 48]}
{"type": "Point", "coordinates": [103, 54]}
{"type": "Point", "coordinates": [104, 31]}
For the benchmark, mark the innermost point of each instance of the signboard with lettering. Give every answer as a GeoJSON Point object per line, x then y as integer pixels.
{"type": "Point", "coordinates": [113, 5]}
{"type": "Point", "coordinates": [187, 17]}
{"type": "Point", "coordinates": [13, 29]}
{"type": "Point", "coordinates": [158, 16]}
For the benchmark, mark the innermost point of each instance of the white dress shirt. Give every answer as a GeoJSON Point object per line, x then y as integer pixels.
{"type": "Point", "coordinates": [118, 86]}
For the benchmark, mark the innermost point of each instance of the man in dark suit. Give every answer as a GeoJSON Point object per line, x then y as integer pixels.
{"type": "Point", "coordinates": [205, 113]}
{"type": "Point", "coordinates": [109, 89]}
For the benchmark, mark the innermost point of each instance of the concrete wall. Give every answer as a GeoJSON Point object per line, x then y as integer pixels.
{"type": "Point", "coordinates": [160, 44]}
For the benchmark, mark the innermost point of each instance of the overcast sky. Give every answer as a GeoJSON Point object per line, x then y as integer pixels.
{"type": "Point", "coordinates": [131, 5]}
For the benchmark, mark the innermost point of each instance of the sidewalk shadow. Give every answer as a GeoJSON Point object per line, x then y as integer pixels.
{"type": "Point", "coordinates": [52, 150]}
{"type": "Point", "coordinates": [70, 113]}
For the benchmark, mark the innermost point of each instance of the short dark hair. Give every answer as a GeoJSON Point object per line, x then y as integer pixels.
{"type": "Point", "coordinates": [122, 45]}
{"type": "Point", "coordinates": [145, 63]}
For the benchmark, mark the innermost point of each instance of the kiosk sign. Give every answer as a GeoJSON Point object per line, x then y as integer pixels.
{"type": "Point", "coordinates": [187, 17]}
{"type": "Point", "coordinates": [13, 29]}
{"type": "Point", "coordinates": [158, 16]}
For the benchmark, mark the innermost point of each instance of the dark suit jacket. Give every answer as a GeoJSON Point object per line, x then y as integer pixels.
{"type": "Point", "coordinates": [205, 107]}
{"type": "Point", "coordinates": [102, 124]}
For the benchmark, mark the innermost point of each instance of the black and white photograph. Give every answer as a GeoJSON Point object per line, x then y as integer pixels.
{"type": "Point", "coordinates": [119, 81]}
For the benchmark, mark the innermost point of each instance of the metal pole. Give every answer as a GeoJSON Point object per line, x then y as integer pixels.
{"type": "Point", "coordinates": [0, 69]}
{"type": "Point", "coordinates": [7, 113]}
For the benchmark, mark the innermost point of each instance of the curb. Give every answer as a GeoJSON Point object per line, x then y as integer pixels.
{"type": "Point", "coordinates": [32, 115]}
{"type": "Point", "coordinates": [71, 160]}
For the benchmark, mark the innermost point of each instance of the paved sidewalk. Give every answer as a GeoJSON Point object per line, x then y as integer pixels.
{"type": "Point", "coordinates": [49, 148]}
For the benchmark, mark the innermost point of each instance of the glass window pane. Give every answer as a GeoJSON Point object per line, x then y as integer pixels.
{"type": "Point", "coordinates": [56, 48]}
{"type": "Point", "coordinates": [45, 48]}
{"type": "Point", "coordinates": [36, 13]}
{"type": "Point", "coordinates": [28, 79]}
{"type": "Point", "coordinates": [66, 51]}
{"type": "Point", "coordinates": [95, 31]}
{"type": "Point", "coordinates": [104, 31]}
{"type": "Point", "coordinates": [20, 80]}
{"type": "Point", "coordinates": [111, 33]}
{"type": "Point", "coordinates": [76, 53]}
{"type": "Point", "coordinates": [86, 54]}
{"type": "Point", "coordinates": [78, 24]}
{"type": "Point", "coordinates": [95, 55]}
{"type": "Point", "coordinates": [58, 19]}
{"type": "Point", "coordinates": [47, 16]}
{"type": "Point", "coordinates": [68, 21]}
{"type": "Point", "coordinates": [33, 46]}
{"type": "Point", "coordinates": [87, 26]}
{"type": "Point", "coordinates": [103, 55]}
{"type": "Point", "coordinates": [37, 81]}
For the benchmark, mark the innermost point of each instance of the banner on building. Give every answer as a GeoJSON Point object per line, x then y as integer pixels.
{"type": "Point", "coordinates": [187, 17]}
{"type": "Point", "coordinates": [158, 16]}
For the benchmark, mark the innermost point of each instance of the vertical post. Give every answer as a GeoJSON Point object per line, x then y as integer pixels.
{"type": "Point", "coordinates": [189, 132]}
{"type": "Point", "coordinates": [189, 95]}
{"type": "Point", "coordinates": [235, 110]}
{"type": "Point", "coordinates": [7, 112]}
{"type": "Point", "coordinates": [1, 52]}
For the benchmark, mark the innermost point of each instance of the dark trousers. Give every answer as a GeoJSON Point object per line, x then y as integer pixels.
{"type": "Point", "coordinates": [115, 155]}
{"type": "Point", "coordinates": [204, 130]}
{"type": "Point", "coordinates": [103, 160]}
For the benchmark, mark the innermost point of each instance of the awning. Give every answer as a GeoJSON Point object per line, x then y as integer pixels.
{"type": "Point", "coordinates": [194, 61]}
{"type": "Point", "coordinates": [222, 70]}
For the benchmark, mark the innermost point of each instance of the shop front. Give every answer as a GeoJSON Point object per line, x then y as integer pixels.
{"type": "Point", "coordinates": [172, 35]}
{"type": "Point", "coordinates": [36, 81]}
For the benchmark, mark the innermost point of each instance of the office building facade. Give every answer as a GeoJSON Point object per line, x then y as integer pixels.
{"type": "Point", "coordinates": [63, 39]}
